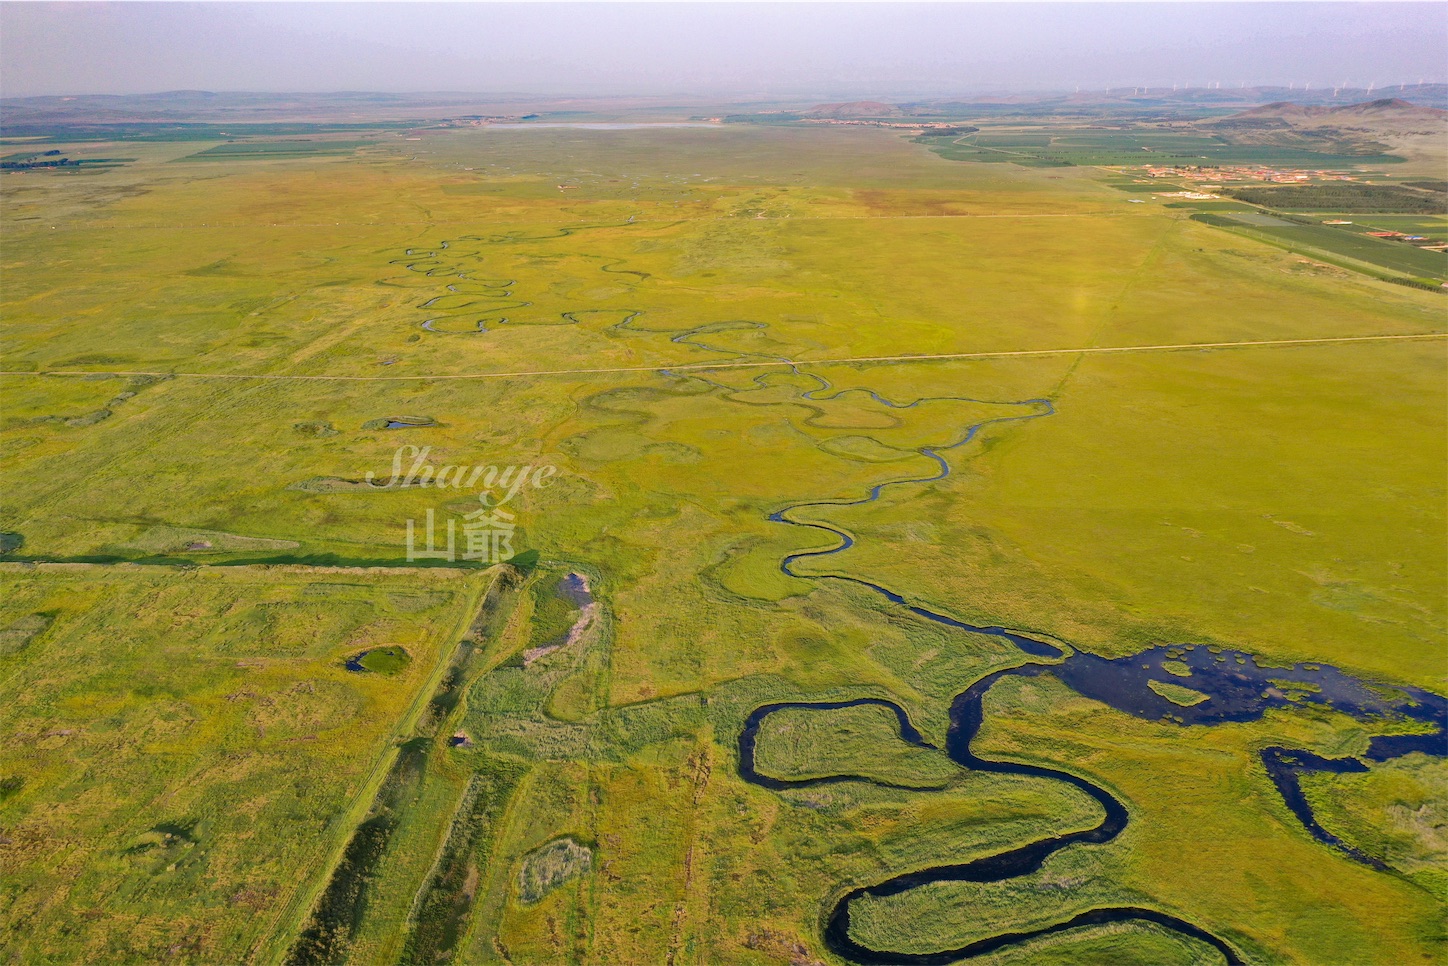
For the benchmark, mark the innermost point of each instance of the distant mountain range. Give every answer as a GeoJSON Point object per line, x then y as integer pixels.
{"type": "Point", "coordinates": [1423, 95]}
{"type": "Point", "coordinates": [102, 111]}
{"type": "Point", "coordinates": [1372, 127]}
{"type": "Point", "coordinates": [855, 109]}
{"type": "Point", "coordinates": [1389, 109]}
{"type": "Point", "coordinates": [1141, 102]}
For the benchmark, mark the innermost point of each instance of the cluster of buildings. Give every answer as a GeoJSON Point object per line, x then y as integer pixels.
{"type": "Point", "coordinates": [916, 128]}
{"type": "Point", "coordinates": [1246, 173]}
{"type": "Point", "coordinates": [483, 120]}
{"type": "Point", "coordinates": [1193, 195]}
{"type": "Point", "coordinates": [1422, 241]}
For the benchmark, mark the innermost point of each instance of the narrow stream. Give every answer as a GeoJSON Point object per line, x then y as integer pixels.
{"type": "Point", "coordinates": [1231, 685]}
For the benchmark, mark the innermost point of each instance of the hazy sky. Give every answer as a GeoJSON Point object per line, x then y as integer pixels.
{"type": "Point", "coordinates": [859, 49]}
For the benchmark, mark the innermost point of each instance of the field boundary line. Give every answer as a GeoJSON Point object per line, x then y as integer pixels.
{"type": "Point", "coordinates": [274, 945]}
{"type": "Point", "coordinates": [757, 364]}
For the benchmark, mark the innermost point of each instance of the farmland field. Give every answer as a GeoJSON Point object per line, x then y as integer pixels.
{"type": "Point", "coordinates": [1061, 145]}
{"type": "Point", "coordinates": [848, 437]}
{"type": "Point", "coordinates": [1396, 257]}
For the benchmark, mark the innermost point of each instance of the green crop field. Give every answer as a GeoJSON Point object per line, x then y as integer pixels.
{"type": "Point", "coordinates": [1005, 395]}
{"type": "Point", "coordinates": [1350, 196]}
{"type": "Point", "coordinates": [1396, 257]}
{"type": "Point", "coordinates": [1061, 145]}
{"type": "Point", "coordinates": [267, 150]}
{"type": "Point", "coordinates": [1433, 226]}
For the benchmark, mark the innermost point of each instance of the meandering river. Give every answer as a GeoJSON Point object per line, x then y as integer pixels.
{"type": "Point", "coordinates": [1231, 686]}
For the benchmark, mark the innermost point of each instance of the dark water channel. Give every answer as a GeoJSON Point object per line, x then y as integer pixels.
{"type": "Point", "coordinates": [1230, 686]}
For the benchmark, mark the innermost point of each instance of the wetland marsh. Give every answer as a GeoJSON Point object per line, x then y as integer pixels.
{"type": "Point", "coordinates": [864, 620]}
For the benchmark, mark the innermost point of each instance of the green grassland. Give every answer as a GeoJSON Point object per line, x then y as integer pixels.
{"type": "Point", "coordinates": [862, 741]}
{"type": "Point", "coordinates": [259, 313]}
{"type": "Point", "coordinates": [1397, 811]}
{"type": "Point", "coordinates": [186, 746]}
